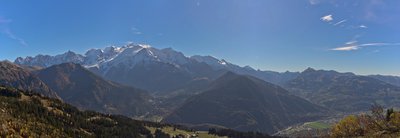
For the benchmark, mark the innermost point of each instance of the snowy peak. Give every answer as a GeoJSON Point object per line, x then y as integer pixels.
{"type": "Point", "coordinates": [128, 56]}
{"type": "Point", "coordinates": [94, 56]}
{"type": "Point", "coordinates": [113, 60]}
{"type": "Point", "coordinates": [94, 53]}
{"type": "Point", "coordinates": [171, 56]}
{"type": "Point", "coordinates": [111, 51]}
{"type": "Point", "coordinates": [144, 46]}
{"type": "Point", "coordinates": [222, 62]}
{"type": "Point", "coordinates": [68, 57]}
{"type": "Point", "coordinates": [46, 60]}
{"type": "Point", "coordinates": [210, 60]}
{"type": "Point", "coordinates": [129, 51]}
{"type": "Point", "coordinates": [131, 55]}
{"type": "Point", "coordinates": [143, 54]}
{"type": "Point", "coordinates": [19, 60]}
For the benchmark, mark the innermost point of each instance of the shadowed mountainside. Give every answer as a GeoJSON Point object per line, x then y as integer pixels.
{"type": "Point", "coordinates": [245, 103]}
{"type": "Point", "coordinates": [81, 88]}
{"type": "Point", "coordinates": [15, 76]}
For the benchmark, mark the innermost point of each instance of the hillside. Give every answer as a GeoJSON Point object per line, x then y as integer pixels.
{"type": "Point", "coordinates": [343, 91]}
{"type": "Point", "coordinates": [245, 103]}
{"type": "Point", "coordinates": [394, 80]}
{"type": "Point", "coordinates": [15, 76]}
{"type": "Point", "coordinates": [26, 114]}
{"type": "Point", "coordinates": [85, 90]}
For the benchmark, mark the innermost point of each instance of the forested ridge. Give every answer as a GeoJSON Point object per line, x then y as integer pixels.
{"type": "Point", "coordinates": [27, 114]}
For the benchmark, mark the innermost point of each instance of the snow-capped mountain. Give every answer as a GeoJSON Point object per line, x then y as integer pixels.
{"type": "Point", "coordinates": [212, 61]}
{"type": "Point", "coordinates": [129, 54]}
{"type": "Point", "coordinates": [149, 68]}
{"type": "Point", "coordinates": [46, 60]}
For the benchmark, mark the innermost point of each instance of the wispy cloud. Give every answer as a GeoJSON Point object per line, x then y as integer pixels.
{"type": "Point", "coordinates": [340, 22]}
{"type": "Point", "coordinates": [327, 18]}
{"type": "Point", "coordinates": [313, 2]}
{"type": "Point", "coordinates": [351, 42]}
{"type": "Point", "coordinates": [352, 45]}
{"type": "Point", "coordinates": [11, 35]}
{"type": "Point", "coordinates": [4, 29]}
{"type": "Point", "coordinates": [362, 26]}
{"type": "Point", "coordinates": [136, 31]}
{"type": "Point", "coordinates": [346, 48]}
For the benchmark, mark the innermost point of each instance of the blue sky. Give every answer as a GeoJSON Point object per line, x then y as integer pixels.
{"type": "Point", "coordinates": [361, 36]}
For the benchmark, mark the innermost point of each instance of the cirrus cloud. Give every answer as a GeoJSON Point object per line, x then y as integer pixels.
{"type": "Point", "coordinates": [5, 29]}
{"type": "Point", "coordinates": [340, 22]}
{"type": "Point", "coordinates": [352, 45]}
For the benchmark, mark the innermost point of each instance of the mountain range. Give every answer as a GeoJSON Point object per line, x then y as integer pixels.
{"type": "Point", "coordinates": [82, 88]}
{"type": "Point", "coordinates": [76, 85]}
{"type": "Point", "coordinates": [150, 68]}
{"type": "Point", "coordinates": [145, 82]}
{"type": "Point", "coordinates": [343, 91]}
{"type": "Point", "coordinates": [79, 87]}
{"type": "Point", "coordinates": [394, 80]}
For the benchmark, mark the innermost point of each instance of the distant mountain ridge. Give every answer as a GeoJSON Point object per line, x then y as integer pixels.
{"type": "Point", "coordinates": [394, 80]}
{"type": "Point", "coordinates": [123, 80]}
{"type": "Point", "coordinates": [47, 60]}
{"type": "Point", "coordinates": [109, 60]}
{"type": "Point", "coordinates": [343, 91]}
